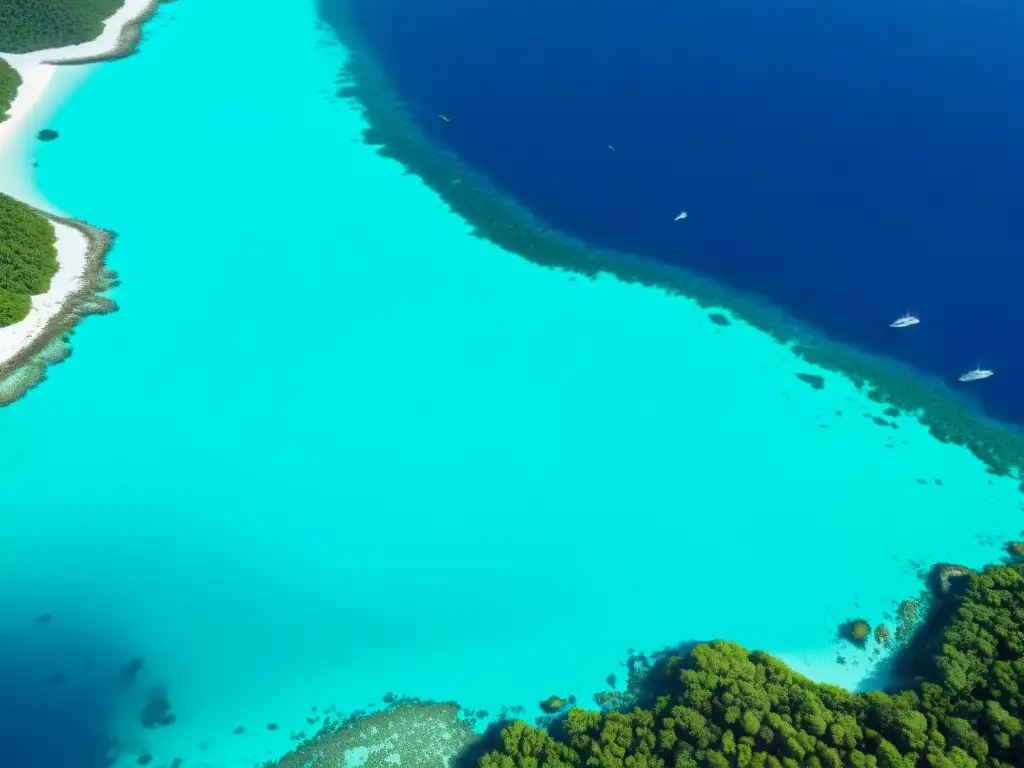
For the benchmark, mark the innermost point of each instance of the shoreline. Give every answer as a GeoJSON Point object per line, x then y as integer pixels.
{"type": "Point", "coordinates": [76, 293]}
{"type": "Point", "coordinates": [29, 346]}
{"type": "Point", "coordinates": [494, 217]}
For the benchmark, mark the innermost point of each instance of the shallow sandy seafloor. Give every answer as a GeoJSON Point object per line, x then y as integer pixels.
{"type": "Point", "coordinates": [333, 446]}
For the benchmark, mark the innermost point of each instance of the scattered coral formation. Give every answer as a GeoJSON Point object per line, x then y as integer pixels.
{"type": "Point", "coordinates": [947, 577]}
{"type": "Point", "coordinates": [882, 635]}
{"type": "Point", "coordinates": [816, 382]}
{"type": "Point", "coordinates": [552, 704]}
{"type": "Point", "coordinates": [391, 129]}
{"type": "Point", "coordinates": [412, 735]}
{"type": "Point", "coordinates": [908, 613]}
{"type": "Point", "coordinates": [130, 671]}
{"type": "Point", "coordinates": [157, 711]}
{"type": "Point", "coordinates": [855, 631]}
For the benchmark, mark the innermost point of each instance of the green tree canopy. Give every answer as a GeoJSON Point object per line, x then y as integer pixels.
{"type": "Point", "coordinates": [28, 258]}
{"type": "Point", "coordinates": [723, 706]}
{"type": "Point", "coordinates": [33, 25]}
{"type": "Point", "coordinates": [10, 81]}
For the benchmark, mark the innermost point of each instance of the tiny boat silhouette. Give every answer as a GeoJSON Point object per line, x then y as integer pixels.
{"type": "Point", "coordinates": [902, 322]}
{"type": "Point", "coordinates": [976, 374]}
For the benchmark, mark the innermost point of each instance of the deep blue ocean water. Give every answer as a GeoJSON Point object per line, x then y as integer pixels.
{"type": "Point", "coordinates": [848, 161]}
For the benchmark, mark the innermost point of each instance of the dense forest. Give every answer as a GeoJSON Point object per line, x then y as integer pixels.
{"type": "Point", "coordinates": [32, 25]}
{"type": "Point", "coordinates": [28, 258]}
{"type": "Point", "coordinates": [10, 80]}
{"type": "Point", "coordinates": [721, 705]}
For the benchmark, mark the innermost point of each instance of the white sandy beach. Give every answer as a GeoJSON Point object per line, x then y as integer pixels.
{"type": "Point", "coordinates": [38, 75]}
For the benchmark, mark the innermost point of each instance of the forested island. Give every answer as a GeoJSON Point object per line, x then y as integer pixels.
{"type": "Point", "coordinates": [10, 81]}
{"type": "Point", "coordinates": [28, 258]}
{"type": "Point", "coordinates": [721, 705]}
{"type": "Point", "coordinates": [33, 25]}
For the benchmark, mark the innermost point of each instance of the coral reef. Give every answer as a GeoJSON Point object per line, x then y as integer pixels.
{"type": "Point", "coordinates": [412, 735]}
{"type": "Point", "coordinates": [882, 635]}
{"type": "Point", "coordinates": [392, 129]}
{"type": "Point", "coordinates": [855, 631]}
{"type": "Point", "coordinates": [947, 577]}
{"type": "Point", "coordinates": [552, 704]}
{"type": "Point", "coordinates": [816, 382]}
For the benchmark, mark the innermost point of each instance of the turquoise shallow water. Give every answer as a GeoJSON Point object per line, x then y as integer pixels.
{"type": "Point", "coordinates": [333, 446]}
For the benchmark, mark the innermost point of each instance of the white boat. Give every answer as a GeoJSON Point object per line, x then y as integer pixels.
{"type": "Point", "coordinates": [682, 215]}
{"type": "Point", "coordinates": [903, 322]}
{"type": "Point", "coordinates": [976, 374]}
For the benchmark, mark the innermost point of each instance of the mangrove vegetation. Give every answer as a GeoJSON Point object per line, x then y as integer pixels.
{"type": "Point", "coordinates": [28, 258]}
{"type": "Point", "coordinates": [719, 705]}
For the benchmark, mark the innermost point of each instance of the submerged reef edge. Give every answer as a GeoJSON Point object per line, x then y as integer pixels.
{"type": "Point", "coordinates": [493, 217]}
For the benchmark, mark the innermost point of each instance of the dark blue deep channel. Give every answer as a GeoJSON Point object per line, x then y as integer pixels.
{"type": "Point", "coordinates": [849, 161]}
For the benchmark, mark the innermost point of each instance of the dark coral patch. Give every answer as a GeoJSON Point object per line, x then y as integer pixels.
{"type": "Point", "coordinates": [552, 704]}
{"type": "Point", "coordinates": [130, 671]}
{"type": "Point", "coordinates": [47, 134]}
{"type": "Point", "coordinates": [157, 710]}
{"type": "Point", "coordinates": [947, 578]}
{"type": "Point", "coordinates": [719, 319]}
{"type": "Point", "coordinates": [816, 382]}
{"type": "Point", "coordinates": [855, 631]}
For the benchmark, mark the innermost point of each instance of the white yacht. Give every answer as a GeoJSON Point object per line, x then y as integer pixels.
{"type": "Point", "coordinates": [976, 374]}
{"type": "Point", "coordinates": [903, 322]}
{"type": "Point", "coordinates": [682, 215]}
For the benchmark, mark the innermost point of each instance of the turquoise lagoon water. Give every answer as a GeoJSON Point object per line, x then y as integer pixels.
{"type": "Point", "coordinates": [333, 446]}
